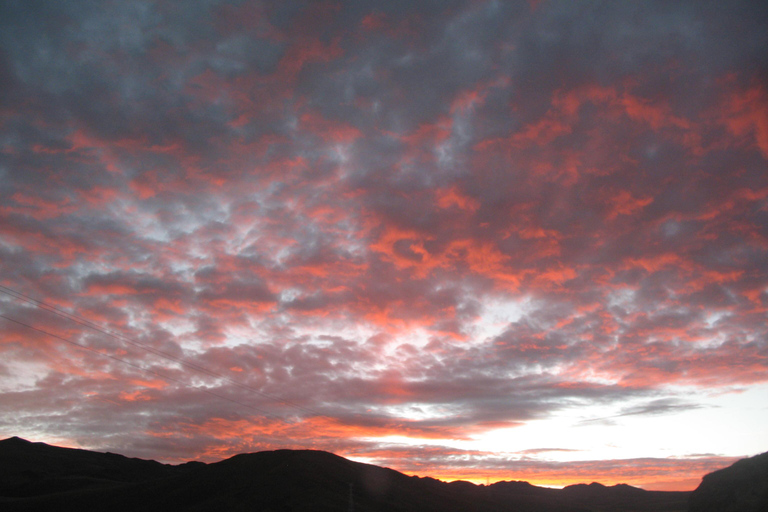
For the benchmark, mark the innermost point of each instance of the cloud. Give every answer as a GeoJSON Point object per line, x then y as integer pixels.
{"type": "Point", "coordinates": [365, 218]}
{"type": "Point", "coordinates": [661, 406]}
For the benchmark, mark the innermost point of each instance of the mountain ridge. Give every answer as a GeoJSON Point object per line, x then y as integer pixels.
{"type": "Point", "coordinates": [38, 476]}
{"type": "Point", "coordinates": [741, 487]}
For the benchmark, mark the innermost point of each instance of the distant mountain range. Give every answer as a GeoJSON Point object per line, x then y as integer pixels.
{"type": "Point", "coordinates": [37, 477]}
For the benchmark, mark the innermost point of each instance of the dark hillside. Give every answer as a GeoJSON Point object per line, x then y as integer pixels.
{"type": "Point", "coordinates": [741, 487]}
{"type": "Point", "coordinates": [27, 469]}
{"type": "Point", "coordinates": [36, 476]}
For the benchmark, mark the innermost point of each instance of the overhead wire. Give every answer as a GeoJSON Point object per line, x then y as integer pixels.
{"type": "Point", "coordinates": [157, 352]}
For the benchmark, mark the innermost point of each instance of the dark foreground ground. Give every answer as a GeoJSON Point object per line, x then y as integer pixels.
{"type": "Point", "coordinates": [36, 477]}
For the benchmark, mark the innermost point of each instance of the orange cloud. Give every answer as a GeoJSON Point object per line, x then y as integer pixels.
{"type": "Point", "coordinates": [746, 113]}
{"type": "Point", "coordinates": [623, 203]}
{"type": "Point", "coordinates": [447, 198]}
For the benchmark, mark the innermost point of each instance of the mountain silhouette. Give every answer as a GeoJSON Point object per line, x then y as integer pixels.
{"type": "Point", "coordinates": [37, 476]}
{"type": "Point", "coordinates": [741, 487]}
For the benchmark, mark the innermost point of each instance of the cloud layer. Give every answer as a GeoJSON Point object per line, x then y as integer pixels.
{"type": "Point", "coordinates": [328, 223]}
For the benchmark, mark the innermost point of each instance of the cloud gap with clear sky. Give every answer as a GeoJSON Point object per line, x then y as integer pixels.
{"type": "Point", "coordinates": [465, 239]}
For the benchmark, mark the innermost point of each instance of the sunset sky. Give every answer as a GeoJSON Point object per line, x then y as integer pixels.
{"type": "Point", "coordinates": [487, 240]}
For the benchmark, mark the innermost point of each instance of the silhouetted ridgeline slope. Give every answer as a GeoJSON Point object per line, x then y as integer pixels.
{"type": "Point", "coordinates": [36, 476]}
{"type": "Point", "coordinates": [742, 487]}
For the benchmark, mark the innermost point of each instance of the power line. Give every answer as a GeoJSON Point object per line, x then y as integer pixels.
{"type": "Point", "coordinates": [160, 353]}
{"type": "Point", "coordinates": [141, 368]}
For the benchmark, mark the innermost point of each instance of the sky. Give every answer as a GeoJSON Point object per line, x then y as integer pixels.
{"type": "Point", "coordinates": [481, 240]}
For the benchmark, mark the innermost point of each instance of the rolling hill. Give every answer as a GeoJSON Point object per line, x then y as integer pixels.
{"type": "Point", "coordinates": [37, 476]}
